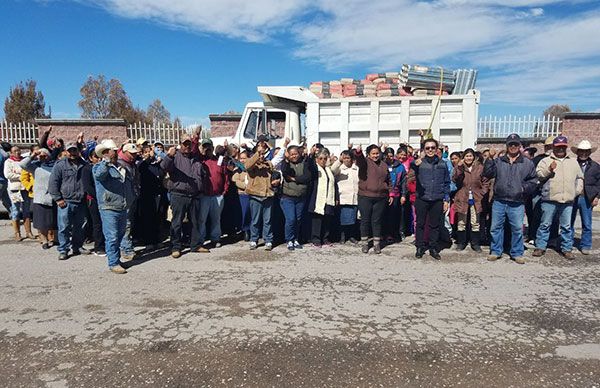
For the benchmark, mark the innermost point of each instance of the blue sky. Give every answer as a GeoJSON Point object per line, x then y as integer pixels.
{"type": "Point", "coordinates": [203, 57]}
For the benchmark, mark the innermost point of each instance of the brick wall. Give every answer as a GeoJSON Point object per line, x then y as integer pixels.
{"type": "Point", "coordinates": [583, 126]}
{"type": "Point", "coordinates": [69, 129]}
{"type": "Point", "coordinates": [224, 125]}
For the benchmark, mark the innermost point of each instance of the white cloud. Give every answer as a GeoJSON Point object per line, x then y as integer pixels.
{"type": "Point", "coordinates": [525, 53]}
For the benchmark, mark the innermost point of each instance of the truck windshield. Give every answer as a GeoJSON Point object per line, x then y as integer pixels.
{"type": "Point", "coordinates": [250, 130]}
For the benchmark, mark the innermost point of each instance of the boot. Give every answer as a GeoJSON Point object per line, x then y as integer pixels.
{"type": "Point", "coordinates": [377, 246]}
{"type": "Point", "coordinates": [475, 241]}
{"type": "Point", "coordinates": [461, 240]}
{"type": "Point", "coordinates": [17, 228]}
{"type": "Point", "coordinates": [27, 224]}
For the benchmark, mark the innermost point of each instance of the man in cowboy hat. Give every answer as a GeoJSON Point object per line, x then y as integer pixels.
{"type": "Point", "coordinates": [563, 182]}
{"type": "Point", "coordinates": [589, 198]}
{"type": "Point", "coordinates": [114, 190]}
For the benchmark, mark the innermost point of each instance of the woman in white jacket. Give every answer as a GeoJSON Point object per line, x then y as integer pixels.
{"type": "Point", "coordinates": [346, 179]}
{"type": "Point", "coordinates": [12, 172]}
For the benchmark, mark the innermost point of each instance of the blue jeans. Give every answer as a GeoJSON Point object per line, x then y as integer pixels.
{"type": "Point", "coordinates": [585, 211]}
{"type": "Point", "coordinates": [211, 206]}
{"type": "Point", "coordinates": [70, 226]}
{"type": "Point", "coordinates": [127, 240]}
{"type": "Point", "coordinates": [260, 210]}
{"type": "Point", "coordinates": [114, 224]}
{"type": "Point", "coordinates": [515, 213]}
{"type": "Point", "coordinates": [549, 209]}
{"type": "Point", "coordinates": [293, 208]}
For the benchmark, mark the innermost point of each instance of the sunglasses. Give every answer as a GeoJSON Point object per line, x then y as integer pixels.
{"type": "Point", "coordinates": [430, 148]}
{"type": "Point", "coordinates": [514, 144]}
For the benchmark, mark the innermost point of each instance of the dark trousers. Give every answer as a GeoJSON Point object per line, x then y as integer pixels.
{"type": "Point", "coordinates": [182, 205]}
{"type": "Point", "coordinates": [432, 213]}
{"type": "Point", "coordinates": [320, 228]}
{"type": "Point", "coordinates": [96, 221]}
{"type": "Point", "coordinates": [371, 216]}
{"type": "Point", "coordinates": [149, 219]}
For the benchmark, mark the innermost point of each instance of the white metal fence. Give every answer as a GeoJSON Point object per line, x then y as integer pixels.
{"type": "Point", "coordinates": [492, 127]}
{"type": "Point", "coordinates": [167, 134]}
{"type": "Point", "coordinates": [28, 133]}
{"type": "Point", "coordinates": [18, 133]}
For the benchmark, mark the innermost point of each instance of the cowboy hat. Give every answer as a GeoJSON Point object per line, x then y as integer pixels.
{"type": "Point", "coordinates": [107, 144]}
{"type": "Point", "coordinates": [584, 145]}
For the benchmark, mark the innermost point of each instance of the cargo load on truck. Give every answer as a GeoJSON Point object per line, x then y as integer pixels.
{"type": "Point", "coordinates": [411, 80]}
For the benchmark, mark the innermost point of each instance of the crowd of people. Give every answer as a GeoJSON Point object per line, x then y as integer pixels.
{"type": "Point", "coordinates": [196, 193]}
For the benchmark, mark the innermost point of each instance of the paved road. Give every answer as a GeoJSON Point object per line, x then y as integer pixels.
{"type": "Point", "coordinates": [317, 317]}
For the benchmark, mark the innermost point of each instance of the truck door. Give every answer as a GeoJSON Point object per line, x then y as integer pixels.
{"type": "Point", "coordinates": [255, 124]}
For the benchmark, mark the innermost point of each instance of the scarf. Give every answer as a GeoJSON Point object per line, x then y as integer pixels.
{"type": "Point", "coordinates": [15, 158]}
{"type": "Point", "coordinates": [325, 190]}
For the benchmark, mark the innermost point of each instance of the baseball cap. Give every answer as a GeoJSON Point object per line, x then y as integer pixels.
{"type": "Point", "coordinates": [71, 146]}
{"type": "Point", "coordinates": [513, 138]}
{"type": "Point", "coordinates": [206, 142]}
{"type": "Point", "coordinates": [131, 148]}
{"type": "Point", "coordinates": [560, 141]}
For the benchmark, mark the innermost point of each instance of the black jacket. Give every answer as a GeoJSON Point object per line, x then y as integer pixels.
{"type": "Point", "coordinates": [513, 182]}
{"type": "Point", "coordinates": [591, 180]}
{"type": "Point", "coordinates": [433, 179]}
{"type": "Point", "coordinates": [185, 174]}
{"type": "Point", "coordinates": [87, 178]}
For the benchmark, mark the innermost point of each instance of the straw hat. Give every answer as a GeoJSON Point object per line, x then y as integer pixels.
{"type": "Point", "coordinates": [584, 145]}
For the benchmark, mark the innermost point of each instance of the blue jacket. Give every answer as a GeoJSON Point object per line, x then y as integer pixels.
{"type": "Point", "coordinates": [453, 187]}
{"type": "Point", "coordinates": [114, 191]}
{"type": "Point", "coordinates": [66, 181]}
{"type": "Point", "coordinates": [513, 181]}
{"type": "Point", "coordinates": [433, 179]}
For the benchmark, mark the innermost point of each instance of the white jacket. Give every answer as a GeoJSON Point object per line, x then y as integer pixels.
{"type": "Point", "coordinates": [12, 172]}
{"type": "Point", "coordinates": [346, 179]}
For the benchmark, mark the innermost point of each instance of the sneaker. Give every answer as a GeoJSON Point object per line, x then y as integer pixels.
{"type": "Point", "coordinates": [203, 250]}
{"type": "Point", "coordinates": [81, 251]}
{"type": "Point", "coordinates": [118, 270]}
{"type": "Point", "coordinates": [460, 247]}
{"type": "Point", "coordinates": [494, 257]}
{"type": "Point", "coordinates": [435, 254]}
{"type": "Point", "coordinates": [63, 256]}
{"type": "Point", "coordinates": [353, 240]}
{"type": "Point", "coordinates": [568, 255]}
{"type": "Point", "coordinates": [253, 245]}
{"type": "Point", "coordinates": [297, 245]}
{"type": "Point", "coordinates": [176, 254]}
{"type": "Point", "coordinates": [365, 248]}
{"type": "Point", "coordinates": [586, 252]}
{"type": "Point", "coordinates": [476, 248]}
{"type": "Point", "coordinates": [99, 252]}
{"type": "Point", "coordinates": [538, 252]}
{"type": "Point", "coordinates": [420, 253]}
{"type": "Point", "coordinates": [290, 246]}
{"type": "Point", "coordinates": [47, 246]}
{"type": "Point", "coordinates": [127, 257]}
{"type": "Point", "coordinates": [376, 249]}
{"type": "Point", "coordinates": [519, 260]}
{"type": "Point", "coordinates": [268, 247]}
{"type": "Point", "coordinates": [218, 244]}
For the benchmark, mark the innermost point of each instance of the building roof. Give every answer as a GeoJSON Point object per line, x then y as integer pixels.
{"type": "Point", "coordinates": [225, 117]}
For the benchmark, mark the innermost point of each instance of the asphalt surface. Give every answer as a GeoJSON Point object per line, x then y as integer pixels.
{"type": "Point", "coordinates": [316, 317]}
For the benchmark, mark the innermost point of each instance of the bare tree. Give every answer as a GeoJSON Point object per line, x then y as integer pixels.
{"type": "Point", "coordinates": [95, 102]}
{"type": "Point", "coordinates": [157, 113]}
{"type": "Point", "coordinates": [177, 122]}
{"type": "Point", "coordinates": [24, 103]}
{"type": "Point", "coordinates": [557, 110]}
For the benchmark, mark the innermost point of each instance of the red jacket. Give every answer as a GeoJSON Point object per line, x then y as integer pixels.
{"type": "Point", "coordinates": [216, 178]}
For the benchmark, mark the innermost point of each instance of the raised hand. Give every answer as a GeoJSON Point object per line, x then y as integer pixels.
{"type": "Point", "coordinates": [171, 152]}
{"type": "Point", "coordinates": [552, 166]}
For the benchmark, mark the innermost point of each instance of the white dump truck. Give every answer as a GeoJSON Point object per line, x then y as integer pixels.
{"type": "Point", "coordinates": [297, 113]}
